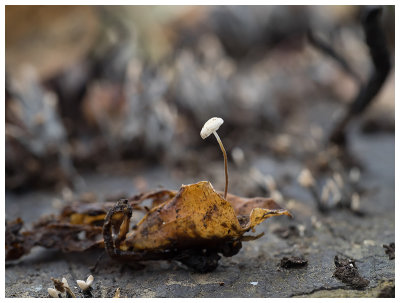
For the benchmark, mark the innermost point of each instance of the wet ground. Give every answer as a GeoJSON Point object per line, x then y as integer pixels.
{"type": "Point", "coordinates": [255, 271]}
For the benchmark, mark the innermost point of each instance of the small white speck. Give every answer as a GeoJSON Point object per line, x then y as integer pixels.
{"type": "Point", "coordinates": [254, 283]}
{"type": "Point", "coordinates": [270, 182]}
{"type": "Point", "coordinates": [305, 178]}
{"type": "Point", "coordinates": [369, 243]}
{"type": "Point", "coordinates": [354, 175]}
{"type": "Point", "coordinates": [277, 196]}
{"type": "Point", "coordinates": [238, 155]}
{"type": "Point", "coordinates": [82, 235]}
{"type": "Point", "coordinates": [355, 201]}
{"type": "Point", "coordinates": [315, 222]}
{"type": "Point", "coordinates": [301, 229]}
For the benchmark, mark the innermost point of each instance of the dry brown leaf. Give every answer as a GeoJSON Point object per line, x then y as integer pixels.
{"type": "Point", "coordinates": [195, 222]}
{"type": "Point", "coordinates": [198, 214]}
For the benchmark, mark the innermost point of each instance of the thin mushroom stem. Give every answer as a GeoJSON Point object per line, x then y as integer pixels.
{"type": "Point", "coordinates": [225, 162]}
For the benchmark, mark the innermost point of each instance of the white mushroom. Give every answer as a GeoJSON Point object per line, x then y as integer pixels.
{"type": "Point", "coordinates": [211, 127]}
{"type": "Point", "coordinates": [85, 285]}
{"type": "Point", "coordinates": [65, 282]}
{"type": "Point", "coordinates": [53, 292]}
{"type": "Point", "coordinates": [82, 284]}
{"type": "Point", "coordinates": [89, 280]}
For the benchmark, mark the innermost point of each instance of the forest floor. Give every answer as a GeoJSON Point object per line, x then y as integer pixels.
{"type": "Point", "coordinates": [255, 271]}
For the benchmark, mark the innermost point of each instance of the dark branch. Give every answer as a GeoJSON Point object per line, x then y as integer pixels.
{"type": "Point", "coordinates": [325, 48]}
{"type": "Point", "coordinates": [375, 39]}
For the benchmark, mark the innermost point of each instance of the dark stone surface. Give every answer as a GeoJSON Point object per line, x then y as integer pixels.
{"type": "Point", "coordinates": [319, 239]}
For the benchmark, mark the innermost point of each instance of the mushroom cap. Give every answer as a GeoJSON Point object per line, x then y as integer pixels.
{"type": "Point", "coordinates": [211, 126]}
{"type": "Point", "coordinates": [82, 284]}
{"type": "Point", "coordinates": [65, 282]}
{"type": "Point", "coordinates": [89, 280]}
{"type": "Point", "coordinates": [53, 292]}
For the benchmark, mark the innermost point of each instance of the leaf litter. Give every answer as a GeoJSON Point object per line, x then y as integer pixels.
{"type": "Point", "coordinates": [194, 226]}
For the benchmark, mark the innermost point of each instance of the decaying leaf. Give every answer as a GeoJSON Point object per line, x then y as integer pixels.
{"type": "Point", "coordinates": [63, 236]}
{"type": "Point", "coordinates": [192, 225]}
{"type": "Point", "coordinates": [198, 214]}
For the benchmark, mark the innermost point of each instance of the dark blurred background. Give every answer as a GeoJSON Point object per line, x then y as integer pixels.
{"type": "Point", "coordinates": [121, 90]}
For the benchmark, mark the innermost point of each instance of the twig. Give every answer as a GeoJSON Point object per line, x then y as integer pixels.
{"type": "Point", "coordinates": [325, 48]}
{"type": "Point", "coordinates": [375, 39]}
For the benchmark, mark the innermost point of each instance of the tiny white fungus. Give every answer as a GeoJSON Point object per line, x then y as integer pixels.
{"type": "Point", "coordinates": [85, 285]}
{"type": "Point", "coordinates": [90, 280]}
{"type": "Point", "coordinates": [53, 292]}
{"type": "Point", "coordinates": [211, 126]}
{"type": "Point", "coordinates": [65, 282]}
{"type": "Point", "coordinates": [82, 284]}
